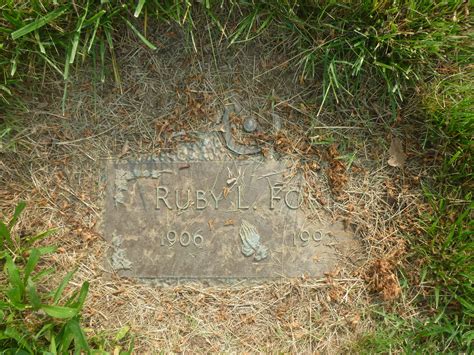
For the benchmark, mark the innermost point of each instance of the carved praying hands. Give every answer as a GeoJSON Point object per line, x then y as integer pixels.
{"type": "Point", "coordinates": [251, 244]}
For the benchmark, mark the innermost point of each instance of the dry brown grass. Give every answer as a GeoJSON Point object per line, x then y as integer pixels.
{"type": "Point", "coordinates": [57, 168]}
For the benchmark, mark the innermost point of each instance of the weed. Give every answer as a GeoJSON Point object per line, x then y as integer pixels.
{"type": "Point", "coordinates": [34, 320]}
{"type": "Point", "coordinates": [15, 246]}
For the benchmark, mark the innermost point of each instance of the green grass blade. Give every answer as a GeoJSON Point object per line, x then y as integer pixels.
{"type": "Point", "coordinates": [139, 8]}
{"type": "Point", "coordinates": [139, 35]}
{"type": "Point", "coordinates": [46, 328]}
{"type": "Point", "coordinates": [64, 98]}
{"type": "Point", "coordinates": [77, 36]}
{"type": "Point", "coordinates": [42, 235]}
{"type": "Point", "coordinates": [12, 20]}
{"type": "Point", "coordinates": [18, 209]}
{"type": "Point", "coordinates": [17, 287]}
{"type": "Point", "coordinates": [52, 345]}
{"type": "Point", "coordinates": [65, 339]}
{"type": "Point", "coordinates": [5, 236]}
{"type": "Point", "coordinates": [33, 26]}
{"type": "Point", "coordinates": [13, 333]}
{"type": "Point", "coordinates": [54, 66]}
{"type": "Point", "coordinates": [66, 66]}
{"type": "Point", "coordinates": [40, 44]}
{"type": "Point", "coordinates": [43, 273]}
{"type": "Point", "coordinates": [30, 265]}
{"type": "Point", "coordinates": [245, 24]}
{"type": "Point", "coordinates": [62, 286]}
{"type": "Point", "coordinates": [13, 63]}
{"type": "Point", "coordinates": [33, 296]}
{"type": "Point", "coordinates": [4, 88]}
{"type": "Point", "coordinates": [74, 44]}
{"type": "Point", "coordinates": [115, 67]}
{"type": "Point", "coordinates": [122, 332]}
{"type": "Point", "coordinates": [74, 328]}
{"type": "Point", "coordinates": [49, 249]}
{"type": "Point", "coordinates": [94, 33]}
{"type": "Point", "coordinates": [94, 18]}
{"type": "Point", "coordinates": [59, 311]}
{"type": "Point", "coordinates": [81, 298]}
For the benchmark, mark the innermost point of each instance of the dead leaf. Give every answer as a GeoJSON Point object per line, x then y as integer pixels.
{"type": "Point", "coordinates": [336, 173]}
{"type": "Point", "coordinates": [231, 181]}
{"type": "Point", "coordinates": [229, 222]}
{"type": "Point", "coordinates": [397, 155]}
{"type": "Point", "coordinates": [226, 191]}
{"type": "Point", "coordinates": [210, 223]}
{"type": "Point", "coordinates": [124, 149]}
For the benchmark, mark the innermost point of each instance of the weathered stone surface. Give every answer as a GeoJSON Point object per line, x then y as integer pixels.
{"type": "Point", "coordinates": [234, 219]}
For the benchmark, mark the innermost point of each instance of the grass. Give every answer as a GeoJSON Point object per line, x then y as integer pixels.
{"type": "Point", "coordinates": [444, 252]}
{"type": "Point", "coordinates": [398, 334]}
{"type": "Point", "coordinates": [34, 321]}
{"type": "Point", "coordinates": [414, 48]}
{"type": "Point", "coordinates": [398, 44]}
{"type": "Point", "coordinates": [448, 244]}
{"type": "Point", "coordinates": [34, 318]}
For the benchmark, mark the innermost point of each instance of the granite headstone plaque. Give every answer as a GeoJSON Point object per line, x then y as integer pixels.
{"type": "Point", "coordinates": [234, 219]}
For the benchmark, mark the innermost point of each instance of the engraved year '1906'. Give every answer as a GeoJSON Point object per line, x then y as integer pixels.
{"type": "Point", "coordinates": [184, 239]}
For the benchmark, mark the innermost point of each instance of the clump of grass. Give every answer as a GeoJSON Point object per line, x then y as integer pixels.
{"type": "Point", "coordinates": [397, 43]}
{"type": "Point", "coordinates": [58, 34]}
{"type": "Point", "coordinates": [443, 253]}
{"type": "Point", "coordinates": [447, 244]}
{"type": "Point", "coordinates": [345, 41]}
{"type": "Point", "coordinates": [396, 334]}
{"type": "Point", "coordinates": [449, 106]}
{"type": "Point", "coordinates": [34, 319]}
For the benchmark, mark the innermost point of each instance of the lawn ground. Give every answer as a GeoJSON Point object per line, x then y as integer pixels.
{"type": "Point", "coordinates": [397, 172]}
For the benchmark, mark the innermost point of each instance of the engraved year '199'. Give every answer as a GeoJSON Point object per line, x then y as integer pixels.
{"type": "Point", "coordinates": [184, 239]}
{"type": "Point", "coordinates": [304, 237]}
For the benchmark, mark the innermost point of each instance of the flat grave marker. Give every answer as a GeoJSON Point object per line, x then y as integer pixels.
{"type": "Point", "coordinates": [229, 220]}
